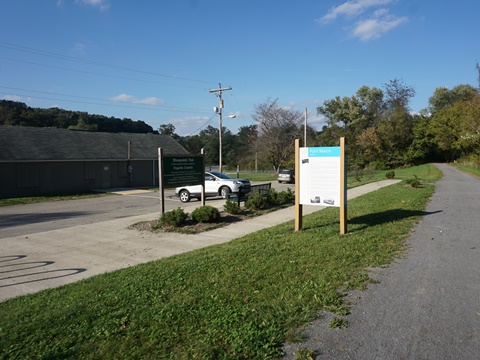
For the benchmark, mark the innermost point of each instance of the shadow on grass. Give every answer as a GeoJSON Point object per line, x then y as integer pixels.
{"type": "Point", "coordinates": [378, 218]}
{"type": "Point", "coordinates": [388, 216]}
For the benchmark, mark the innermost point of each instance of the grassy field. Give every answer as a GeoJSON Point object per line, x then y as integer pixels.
{"type": "Point", "coordinates": [423, 171]}
{"type": "Point", "coordinates": [468, 169]}
{"type": "Point", "coordinates": [239, 300]}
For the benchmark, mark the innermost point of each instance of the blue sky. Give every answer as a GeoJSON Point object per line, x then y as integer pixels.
{"type": "Point", "coordinates": [156, 60]}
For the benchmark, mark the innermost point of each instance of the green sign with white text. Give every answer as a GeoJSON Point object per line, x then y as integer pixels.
{"type": "Point", "coordinates": [182, 170]}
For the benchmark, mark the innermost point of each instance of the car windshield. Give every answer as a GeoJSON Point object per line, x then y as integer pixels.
{"type": "Point", "coordinates": [285, 172]}
{"type": "Point", "coordinates": [220, 175]}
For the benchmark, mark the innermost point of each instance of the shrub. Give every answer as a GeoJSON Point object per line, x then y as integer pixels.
{"type": "Point", "coordinates": [256, 201]}
{"type": "Point", "coordinates": [290, 194]}
{"type": "Point", "coordinates": [357, 172]}
{"type": "Point", "coordinates": [174, 217]}
{"type": "Point", "coordinates": [273, 197]}
{"type": "Point", "coordinates": [231, 207]}
{"type": "Point", "coordinates": [279, 198]}
{"type": "Point", "coordinates": [206, 214]}
{"type": "Point", "coordinates": [283, 197]}
{"type": "Point", "coordinates": [390, 174]}
{"type": "Point", "coordinates": [415, 182]}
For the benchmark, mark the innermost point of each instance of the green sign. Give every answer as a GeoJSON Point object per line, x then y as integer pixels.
{"type": "Point", "coordinates": [182, 170]}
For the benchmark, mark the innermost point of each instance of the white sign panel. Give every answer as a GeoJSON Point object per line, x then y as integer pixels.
{"type": "Point", "coordinates": [320, 176]}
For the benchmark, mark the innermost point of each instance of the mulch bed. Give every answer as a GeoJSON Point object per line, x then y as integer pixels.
{"type": "Point", "coordinates": [192, 227]}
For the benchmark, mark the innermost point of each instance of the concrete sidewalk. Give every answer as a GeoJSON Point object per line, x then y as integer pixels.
{"type": "Point", "coordinates": [34, 262]}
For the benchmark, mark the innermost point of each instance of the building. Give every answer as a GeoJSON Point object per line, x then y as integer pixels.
{"type": "Point", "coordinates": [35, 161]}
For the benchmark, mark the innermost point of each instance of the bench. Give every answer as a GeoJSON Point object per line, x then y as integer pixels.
{"type": "Point", "coordinates": [244, 193]}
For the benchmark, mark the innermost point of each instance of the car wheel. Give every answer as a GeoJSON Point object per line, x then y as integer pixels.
{"type": "Point", "coordinates": [184, 196]}
{"type": "Point", "coordinates": [224, 191]}
{"type": "Point", "coordinates": [279, 182]}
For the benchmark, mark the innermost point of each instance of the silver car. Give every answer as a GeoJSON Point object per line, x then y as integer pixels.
{"type": "Point", "coordinates": [216, 184]}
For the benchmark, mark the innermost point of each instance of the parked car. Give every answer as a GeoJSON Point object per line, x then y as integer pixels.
{"type": "Point", "coordinates": [286, 175]}
{"type": "Point", "coordinates": [216, 184]}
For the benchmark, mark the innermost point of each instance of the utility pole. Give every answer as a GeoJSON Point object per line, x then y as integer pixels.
{"type": "Point", "coordinates": [218, 93]}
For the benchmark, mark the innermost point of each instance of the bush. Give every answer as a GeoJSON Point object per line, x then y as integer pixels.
{"type": "Point", "coordinates": [390, 174]}
{"type": "Point", "coordinates": [415, 182]}
{"type": "Point", "coordinates": [256, 201]}
{"type": "Point", "coordinates": [283, 197]}
{"type": "Point", "coordinates": [279, 198]}
{"type": "Point", "coordinates": [174, 217]}
{"type": "Point", "coordinates": [273, 197]}
{"type": "Point", "coordinates": [231, 207]}
{"type": "Point", "coordinates": [206, 214]}
{"type": "Point", "coordinates": [290, 195]}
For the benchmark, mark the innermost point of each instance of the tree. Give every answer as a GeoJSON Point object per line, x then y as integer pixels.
{"type": "Point", "coordinates": [349, 117]}
{"type": "Point", "coordinates": [278, 127]}
{"type": "Point", "coordinates": [210, 142]}
{"type": "Point", "coordinates": [169, 130]}
{"type": "Point", "coordinates": [398, 94]}
{"type": "Point", "coordinates": [443, 97]}
{"type": "Point", "coordinates": [247, 145]}
{"type": "Point", "coordinates": [456, 129]}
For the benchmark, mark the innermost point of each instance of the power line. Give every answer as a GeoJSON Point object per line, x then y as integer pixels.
{"type": "Point", "coordinates": [94, 73]}
{"type": "Point", "coordinates": [103, 104]}
{"type": "Point", "coordinates": [91, 62]}
{"type": "Point", "coordinates": [158, 107]}
{"type": "Point", "coordinates": [202, 125]}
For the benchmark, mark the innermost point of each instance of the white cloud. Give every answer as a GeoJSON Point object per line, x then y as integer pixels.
{"type": "Point", "coordinates": [150, 101]}
{"type": "Point", "coordinates": [373, 28]}
{"type": "Point", "coordinates": [15, 98]}
{"type": "Point", "coordinates": [351, 8]}
{"type": "Point", "coordinates": [134, 100]}
{"type": "Point", "coordinates": [101, 4]}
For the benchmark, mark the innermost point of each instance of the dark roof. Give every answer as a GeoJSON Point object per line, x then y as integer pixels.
{"type": "Point", "coordinates": [22, 143]}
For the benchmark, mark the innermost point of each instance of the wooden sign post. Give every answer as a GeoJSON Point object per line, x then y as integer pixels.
{"type": "Point", "coordinates": [321, 180]}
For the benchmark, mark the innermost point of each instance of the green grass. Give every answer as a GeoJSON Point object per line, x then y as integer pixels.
{"type": "Point", "coordinates": [426, 173]}
{"type": "Point", "coordinates": [468, 169]}
{"type": "Point", "coordinates": [252, 176]}
{"type": "Point", "coordinates": [232, 301]}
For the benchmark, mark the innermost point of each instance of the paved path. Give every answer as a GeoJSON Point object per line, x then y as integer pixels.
{"type": "Point", "coordinates": [35, 261]}
{"type": "Point", "coordinates": [426, 306]}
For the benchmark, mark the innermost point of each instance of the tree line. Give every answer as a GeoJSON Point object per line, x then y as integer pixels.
{"type": "Point", "coordinates": [380, 130]}
{"type": "Point", "coordinates": [18, 113]}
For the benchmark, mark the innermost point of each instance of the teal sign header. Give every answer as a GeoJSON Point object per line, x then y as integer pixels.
{"type": "Point", "coordinates": [331, 151]}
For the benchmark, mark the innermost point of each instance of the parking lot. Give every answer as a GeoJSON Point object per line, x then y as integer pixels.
{"type": "Point", "coordinates": [33, 218]}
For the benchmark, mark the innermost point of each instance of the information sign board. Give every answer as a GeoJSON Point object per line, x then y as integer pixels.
{"type": "Point", "coordinates": [182, 170]}
{"type": "Point", "coordinates": [320, 176]}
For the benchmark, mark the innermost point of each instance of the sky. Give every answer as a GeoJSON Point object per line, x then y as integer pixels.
{"type": "Point", "coordinates": [156, 61]}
